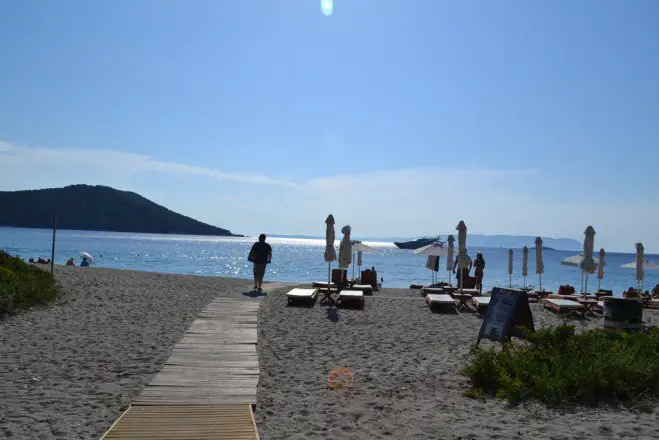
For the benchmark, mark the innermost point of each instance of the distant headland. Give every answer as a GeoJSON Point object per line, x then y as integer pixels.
{"type": "Point", "coordinates": [97, 208]}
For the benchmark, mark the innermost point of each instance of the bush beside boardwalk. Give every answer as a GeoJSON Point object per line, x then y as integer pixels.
{"type": "Point", "coordinates": [560, 366]}
{"type": "Point", "coordinates": [23, 285]}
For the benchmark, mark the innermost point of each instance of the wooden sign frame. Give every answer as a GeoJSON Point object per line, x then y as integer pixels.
{"type": "Point", "coordinates": [507, 311]}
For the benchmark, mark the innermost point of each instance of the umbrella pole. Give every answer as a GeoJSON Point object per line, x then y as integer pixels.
{"type": "Point", "coordinates": [581, 289]}
{"type": "Point", "coordinates": [329, 275]}
{"type": "Point", "coordinates": [599, 282]}
{"type": "Point", "coordinates": [586, 289]}
{"type": "Point", "coordinates": [510, 281]}
{"type": "Point", "coordinates": [353, 265]}
{"type": "Point", "coordinates": [540, 277]}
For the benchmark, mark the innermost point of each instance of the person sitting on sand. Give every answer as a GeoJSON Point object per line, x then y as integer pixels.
{"type": "Point", "coordinates": [260, 255]}
{"type": "Point", "coordinates": [84, 262]}
{"type": "Point", "coordinates": [70, 262]}
{"type": "Point", "coordinates": [479, 264]}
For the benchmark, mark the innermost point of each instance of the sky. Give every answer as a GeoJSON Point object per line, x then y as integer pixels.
{"type": "Point", "coordinates": [399, 117]}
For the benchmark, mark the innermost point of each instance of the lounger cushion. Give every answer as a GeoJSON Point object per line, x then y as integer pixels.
{"type": "Point", "coordinates": [350, 294]}
{"type": "Point", "coordinates": [481, 301]}
{"type": "Point", "coordinates": [564, 303]}
{"type": "Point", "coordinates": [436, 298]}
{"type": "Point", "coordinates": [302, 293]}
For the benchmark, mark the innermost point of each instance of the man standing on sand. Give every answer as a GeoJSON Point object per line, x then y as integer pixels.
{"type": "Point", "coordinates": [260, 255]}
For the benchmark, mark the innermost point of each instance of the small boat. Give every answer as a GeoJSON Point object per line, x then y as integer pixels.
{"type": "Point", "coordinates": [418, 243]}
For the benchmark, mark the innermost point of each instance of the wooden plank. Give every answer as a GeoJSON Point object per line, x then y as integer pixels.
{"type": "Point", "coordinates": [219, 422]}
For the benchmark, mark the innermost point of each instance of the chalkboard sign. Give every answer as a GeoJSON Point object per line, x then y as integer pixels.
{"type": "Point", "coordinates": [508, 309]}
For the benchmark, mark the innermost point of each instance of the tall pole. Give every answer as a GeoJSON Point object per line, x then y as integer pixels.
{"type": "Point", "coordinates": [52, 254]}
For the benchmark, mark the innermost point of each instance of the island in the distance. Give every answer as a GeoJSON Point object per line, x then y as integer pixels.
{"type": "Point", "coordinates": [96, 208]}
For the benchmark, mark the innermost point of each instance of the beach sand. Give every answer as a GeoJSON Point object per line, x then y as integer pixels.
{"type": "Point", "coordinates": [405, 361]}
{"type": "Point", "coordinates": [70, 369]}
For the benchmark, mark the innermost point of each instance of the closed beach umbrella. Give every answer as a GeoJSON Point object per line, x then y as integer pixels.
{"type": "Point", "coordinates": [330, 252]}
{"type": "Point", "coordinates": [510, 268]}
{"type": "Point", "coordinates": [639, 265]}
{"type": "Point", "coordinates": [359, 259]}
{"type": "Point", "coordinates": [449, 256]}
{"type": "Point", "coordinates": [525, 263]}
{"type": "Point", "coordinates": [345, 248]}
{"type": "Point", "coordinates": [588, 264]}
{"type": "Point", "coordinates": [539, 264]}
{"type": "Point", "coordinates": [462, 248]}
{"type": "Point", "coordinates": [87, 256]}
{"type": "Point", "coordinates": [600, 269]}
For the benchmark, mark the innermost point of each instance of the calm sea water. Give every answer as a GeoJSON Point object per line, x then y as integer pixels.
{"type": "Point", "coordinates": [293, 259]}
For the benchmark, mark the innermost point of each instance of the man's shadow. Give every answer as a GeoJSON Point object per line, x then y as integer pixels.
{"type": "Point", "coordinates": [255, 294]}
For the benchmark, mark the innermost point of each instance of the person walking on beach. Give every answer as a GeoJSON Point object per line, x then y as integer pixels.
{"type": "Point", "coordinates": [260, 255]}
{"type": "Point", "coordinates": [479, 265]}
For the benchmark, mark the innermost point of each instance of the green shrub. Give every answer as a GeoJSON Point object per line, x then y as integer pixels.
{"type": "Point", "coordinates": [559, 366]}
{"type": "Point", "coordinates": [23, 285]}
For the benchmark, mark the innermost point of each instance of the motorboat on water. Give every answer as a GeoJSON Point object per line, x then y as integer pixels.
{"type": "Point", "coordinates": [418, 243]}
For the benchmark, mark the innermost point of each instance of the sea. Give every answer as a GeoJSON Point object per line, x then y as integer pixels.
{"type": "Point", "coordinates": [299, 259]}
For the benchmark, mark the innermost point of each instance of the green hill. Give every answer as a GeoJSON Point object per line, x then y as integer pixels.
{"type": "Point", "coordinates": [96, 208]}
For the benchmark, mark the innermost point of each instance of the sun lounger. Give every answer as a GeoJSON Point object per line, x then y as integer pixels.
{"type": "Point", "coordinates": [432, 290]}
{"type": "Point", "coordinates": [472, 292]}
{"type": "Point", "coordinates": [481, 303]}
{"type": "Point", "coordinates": [561, 306]}
{"type": "Point", "coordinates": [366, 288]}
{"type": "Point", "coordinates": [440, 300]}
{"type": "Point", "coordinates": [350, 296]}
{"type": "Point", "coordinates": [323, 285]}
{"type": "Point", "coordinates": [298, 294]}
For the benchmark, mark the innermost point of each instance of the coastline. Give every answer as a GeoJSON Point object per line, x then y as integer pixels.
{"type": "Point", "coordinates": [72, 367]}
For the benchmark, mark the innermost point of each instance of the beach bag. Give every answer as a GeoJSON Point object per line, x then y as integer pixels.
{"type": "Point", "coordinates": [252, 255]}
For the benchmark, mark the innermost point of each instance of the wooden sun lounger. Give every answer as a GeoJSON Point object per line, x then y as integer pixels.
{"type": "Point", "coordinates": [439, 300]}
{"type": "Point", "coordinates": [351, 296]}
{"type": "Point", "coordinates": [299, 294]}
{"type": "Point", "coordinates": [323, 285]}
{"type": "Point", "coordinates": [366, 288]}
{"type": "Point", "coordinates": [432, 290]}
{"type": "Point", "coordinates": [472, 292]}
{"type": "Point", "coordinates": [562, 306]}
{"type": "Point", "coordinates": [481, 303]}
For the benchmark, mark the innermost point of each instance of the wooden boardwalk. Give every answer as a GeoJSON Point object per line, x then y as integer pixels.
{"type": "Point", "coordinates": [208, 385]}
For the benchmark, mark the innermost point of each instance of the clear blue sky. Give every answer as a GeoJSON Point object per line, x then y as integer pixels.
{"type": "Point", "coordinates": [399, 117]}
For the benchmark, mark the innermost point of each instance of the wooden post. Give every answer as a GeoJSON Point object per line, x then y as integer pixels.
{"type": "Point", "coordinates": [52, 254]}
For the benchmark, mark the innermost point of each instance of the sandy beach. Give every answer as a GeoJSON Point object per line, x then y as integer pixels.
{"type": "Point", "coordinates": [406, 361]}
{"type": "Point", "coordinates": [71, 368]}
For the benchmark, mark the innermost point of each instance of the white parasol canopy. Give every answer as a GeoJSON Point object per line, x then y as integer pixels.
{"type": "Point", "coordinates": [433, 249]}
{"type": "Point", "coordinates": [539, 264]}
{"type": "Point", "coordinates": [449, 256]}
{"type": "Point", "coordinates": [345, 248]}
{"type": "Point", "coordinates": [462, 248]}
{"type": "Point", "coordinates": [358, 247]}
{"type": "Point", "coordinates": [600, 268]}
{"type": "Point", "coordinates": [647, 264]}
{"type": "Point", "coordinates": [87, 256]}
{"type": "Point", "coordinates": [575, 261]}
{"type": "Point", "coordinates": [510, 267]}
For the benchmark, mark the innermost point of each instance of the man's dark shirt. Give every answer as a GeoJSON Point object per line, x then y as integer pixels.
{"type": "Point", "coordinates": [262, 250]}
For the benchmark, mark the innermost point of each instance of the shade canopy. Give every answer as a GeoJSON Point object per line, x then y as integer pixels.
{"type": "Point", "coordinates": [345, 248]}
{"type": "Point", "coordinates": [358, 246]}
{"type": "Point", "coordinates": [433, 249]}
{"type": "Point", "coordinates": [450, 251]}
{"type": "Point", "coordinates": [539, 264]}
{"type": "Point", "coordinates": [462, 244]}
{"type": "Point", "coordinates": [588, 264]}
{"type": "Point", "coordinates": [575, 260]}
{"type": "Point", "coordinates": [600, 267]}
{"type": "Point", "coordinates": [647, 265]}
{"type": "Point", "coordinates": [330, 252]}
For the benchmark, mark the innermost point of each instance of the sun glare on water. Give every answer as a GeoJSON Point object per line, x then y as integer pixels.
{"type": "Point", "coordinates": [327, 6]}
